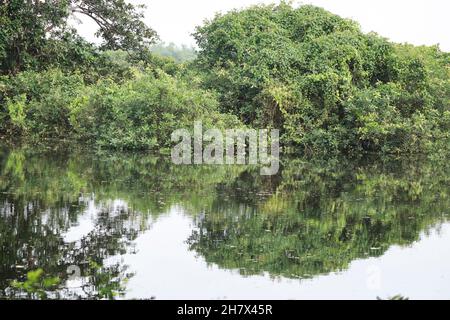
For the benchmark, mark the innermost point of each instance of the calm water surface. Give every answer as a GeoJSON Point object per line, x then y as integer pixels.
{"type": "Point", "coordinates": [74, 224]}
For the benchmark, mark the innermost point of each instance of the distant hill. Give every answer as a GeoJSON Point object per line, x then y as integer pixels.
{"type": "Point", "coordinates": [181, 53]}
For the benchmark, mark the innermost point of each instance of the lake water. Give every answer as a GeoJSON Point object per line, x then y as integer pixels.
{"type": "Point", "coordinates": [135, 226]}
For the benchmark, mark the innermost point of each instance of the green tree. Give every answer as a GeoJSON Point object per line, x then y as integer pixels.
{"type": "Point", "coordinates": [34, 31]}
{"type": "Point", "coordinates": [327, 86]}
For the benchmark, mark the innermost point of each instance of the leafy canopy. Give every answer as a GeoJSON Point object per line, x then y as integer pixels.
{"type": "Point", "coordinates": [327, 86]}
{"type": "Point", "coordinates": [37, 33]}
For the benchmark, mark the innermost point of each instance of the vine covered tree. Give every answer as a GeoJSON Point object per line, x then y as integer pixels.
{"type": "Point", "coordinates": [327, 85]}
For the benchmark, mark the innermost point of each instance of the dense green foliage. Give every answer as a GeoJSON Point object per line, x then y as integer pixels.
{"type": "Point", "coordinates": [328, 86]}
{"type": "Point", "coordinates": [35, 34]}
{"type": "Point", "coordinates": [139, 113]}
{"type": "Point", "coordinates": [315, 76]}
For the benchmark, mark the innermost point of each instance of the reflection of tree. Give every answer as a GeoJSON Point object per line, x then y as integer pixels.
{"type": "Point", "coordinates": [32, 238]}
{"type": "Point", "coordinates": [324, 214]}
{"type": "Point", "coordinates": [315, 217]}
{"type": "Point", "coordinates": [42, 195]}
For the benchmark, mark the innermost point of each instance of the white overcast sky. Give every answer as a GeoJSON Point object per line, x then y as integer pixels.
{"type": "Point", "coordinates": [414, 21]}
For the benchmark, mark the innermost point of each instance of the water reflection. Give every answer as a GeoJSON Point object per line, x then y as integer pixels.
{"type": "Point", "coordinates": [323, 215]}
{"type": "Point", "coordinates": [63, 208]}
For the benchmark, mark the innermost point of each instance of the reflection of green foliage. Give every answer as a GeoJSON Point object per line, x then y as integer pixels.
{"type": "Point", "coordinates": [323, 215]}
{"type": "Point", "coordinates": [15, 165]}
{"type": "Point", "coordinates": [36, 285]}
{"type": "Point", "coordinates": [43, 194]}
{"type": "Point", "coordinates": [103, 283]}
{"type": "Point", "coordinates": [106, 282]}
{"type": "Point", "coordinates": [315, 217]}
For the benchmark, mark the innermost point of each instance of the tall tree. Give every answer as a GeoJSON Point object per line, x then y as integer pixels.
{"type": "Point", "coordinates": [29, 26]}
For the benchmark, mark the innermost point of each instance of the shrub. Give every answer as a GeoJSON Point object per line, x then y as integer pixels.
{"type": "Point", "coordinates": [139, 113]}
{"type": "Point", "coordinates": [143, 112]}
{"type": "Point", "coordinates": [36, 104]}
